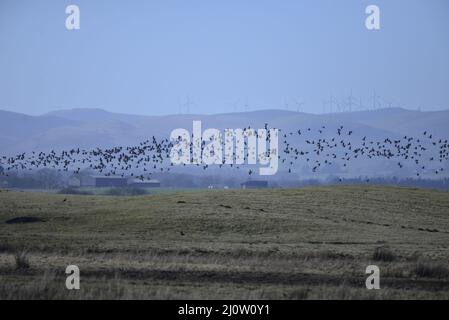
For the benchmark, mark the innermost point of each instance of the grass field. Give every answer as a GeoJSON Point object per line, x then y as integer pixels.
{"type": "Point", "coordinates": [311, 243]}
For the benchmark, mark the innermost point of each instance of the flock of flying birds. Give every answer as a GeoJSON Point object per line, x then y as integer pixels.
{"type": "Point", "coordinates": [315, 148]}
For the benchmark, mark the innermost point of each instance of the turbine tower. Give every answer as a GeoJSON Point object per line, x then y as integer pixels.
{"type": "Point", "coordinates": [375, 100]}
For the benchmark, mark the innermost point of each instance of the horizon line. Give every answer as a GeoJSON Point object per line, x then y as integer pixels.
{"type": "Point", "coordinates": [49, 113]}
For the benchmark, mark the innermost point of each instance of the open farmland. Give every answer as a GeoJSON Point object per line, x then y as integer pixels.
{"type": "Point", "coordinates": [310, 243]}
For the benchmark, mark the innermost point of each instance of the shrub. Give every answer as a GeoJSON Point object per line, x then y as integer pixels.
{"type": "Point", "coordinates": [383, 254]}
{"type": "Point", "coordinates": [21, 260]}
{"type": "Point", "coordinates": [431, 270]}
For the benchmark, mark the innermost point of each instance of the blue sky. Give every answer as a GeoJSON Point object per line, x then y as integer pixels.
{"type": "Point", "coordinates": [150, 57]}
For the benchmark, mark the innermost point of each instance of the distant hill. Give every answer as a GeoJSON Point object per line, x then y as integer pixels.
{"type": "Point", "coordinates": [91, 128]}
{"type": "Point", "coordinates": [401, 121]}
{"type": "Point", "coordinates": [96, 127]}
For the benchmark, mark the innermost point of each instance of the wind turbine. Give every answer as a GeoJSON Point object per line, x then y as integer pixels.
{"type": "Point", "coordinates": [246, 105]}
{"type": "Point", "coordinates": [299, 104]}
{"type": "Point", "coordinates": [330, 102]}
{"type": "Point", "coordinates": [235, 105]}
{"type": "Point", "coordinates": [360, 105]}
{"type": "Point", "coordinates": [188, 104]}
{"type": "Point", "coordinates": [350, 101]}
{"type": "Point", "coordinates": [375, 99]}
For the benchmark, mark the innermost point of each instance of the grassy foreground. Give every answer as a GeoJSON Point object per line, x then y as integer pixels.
{"type": "Point", "coordinates": [311, 243]}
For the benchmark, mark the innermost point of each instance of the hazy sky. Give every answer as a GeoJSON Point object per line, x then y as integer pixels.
{"type": "Point", "coordinates": [147, 57]}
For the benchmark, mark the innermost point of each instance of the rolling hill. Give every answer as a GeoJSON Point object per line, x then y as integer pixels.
{"type": "Point", "coordinates": [98, 128]}
{"type": "Point", "coordinates": [91, 128]}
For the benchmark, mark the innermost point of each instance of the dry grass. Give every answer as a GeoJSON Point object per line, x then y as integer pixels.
{"type": "Point", "coordinates": [312, 243]}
